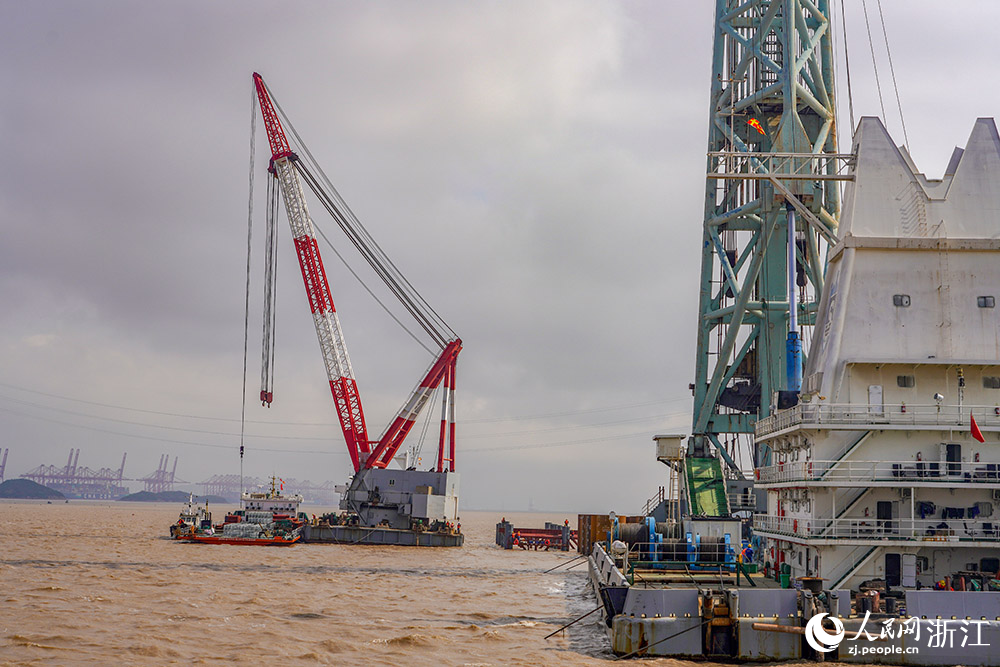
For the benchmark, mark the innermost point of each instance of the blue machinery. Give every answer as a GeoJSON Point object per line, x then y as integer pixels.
{"type": "Point", "coordinates": [692, 552]}
{"type": "Point", "coordinates": [772, 202]}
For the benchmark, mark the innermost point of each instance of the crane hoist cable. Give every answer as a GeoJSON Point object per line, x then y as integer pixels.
{"type": "Point", "coordinates": [356, 223]}
{"type": "Point", "coordinates": [376, 260]}
{"type": "Point", "coordinates": [423, 431]}
{"type": "Point", "coordinates": [379, 268]}
{"type": "Point", "coordinates": [246, 307]}
{"type": "Point", "coordinates": [372, 294]}
{"type": "Point", "coordinates": [359, 235]}
{"type": "Point", "coordinates": [892, 71]}
{"type": "Point", "coordinates": [871, 46]}
{"type": "Point", "coordinates": [270, 295]}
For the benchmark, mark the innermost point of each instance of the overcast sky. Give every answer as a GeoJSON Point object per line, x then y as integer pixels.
{"type": "Point", "coordinates": [534, 168]}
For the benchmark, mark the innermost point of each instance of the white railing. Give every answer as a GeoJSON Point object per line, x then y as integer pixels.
{"type": "Point", "coordinates": [863, 415]}
{"type": "Point", "coordinates": [737, 500]}
{"type": "Point", "coordinates": [653, 502]}
{"type": "Point", "coordinates": [928, 530]}
{"type": "Point", "coordinates": [849, 470]}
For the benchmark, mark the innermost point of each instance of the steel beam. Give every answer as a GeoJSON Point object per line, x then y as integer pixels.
{"type": "Point", "coordinates": [772, 140]}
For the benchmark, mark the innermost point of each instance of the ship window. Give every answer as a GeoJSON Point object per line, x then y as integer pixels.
{"type": "Point", "coordinates": [905, 381]}
{"type": "Point", "coordinates": [991, 382]}
{"type": "Point", "coordinates": [901, 300]}
{"type": "Point", "coordinates": [986, 301]}
{"type": "Point", "coordinates": [392, 482]}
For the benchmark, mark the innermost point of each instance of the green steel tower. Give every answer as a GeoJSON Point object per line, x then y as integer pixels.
{"type": "Point", "coordinates": [771, 209]}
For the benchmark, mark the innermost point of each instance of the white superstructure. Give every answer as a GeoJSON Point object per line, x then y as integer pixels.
{"type": "Point", "coordinates": [875, 473]}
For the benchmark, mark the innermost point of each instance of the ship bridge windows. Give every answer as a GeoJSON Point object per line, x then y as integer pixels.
{"type": "Point", "coordinates": [986, 301]}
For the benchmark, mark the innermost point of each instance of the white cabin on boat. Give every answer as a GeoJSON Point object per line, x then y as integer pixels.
{"type": "Point", "coordinates": [875, 474]}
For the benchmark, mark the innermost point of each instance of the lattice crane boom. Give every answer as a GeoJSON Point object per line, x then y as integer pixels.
{"type": "Point", "coordinates": [392, 439]}
{"type": "Point", "coordinates": [328, 330]}
{"type": "Point", "coordinates": [771, 208]}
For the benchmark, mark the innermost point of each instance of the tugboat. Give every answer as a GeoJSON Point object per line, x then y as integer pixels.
{"type": "Point", "coordinates": [266, 518]}
{"type": "Point", "coordinates": [192, 516]}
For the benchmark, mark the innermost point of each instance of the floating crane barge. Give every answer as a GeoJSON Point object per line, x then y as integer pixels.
{"type": "Point", "coordinates": [381, 505]}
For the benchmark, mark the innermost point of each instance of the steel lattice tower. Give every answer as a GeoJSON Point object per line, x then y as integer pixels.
{"type": "Point", "coordinates": [772, 158]}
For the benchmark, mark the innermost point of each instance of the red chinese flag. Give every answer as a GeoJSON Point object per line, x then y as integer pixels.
{"type": "Point", "coordinates": [976, 433]}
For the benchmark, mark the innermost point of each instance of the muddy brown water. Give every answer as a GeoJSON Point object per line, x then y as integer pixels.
{"type": "Point", "coordinates": [99, 583]}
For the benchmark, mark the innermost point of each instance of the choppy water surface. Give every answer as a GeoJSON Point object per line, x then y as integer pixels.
{"type": "Point", "coordinates": [97, 583]}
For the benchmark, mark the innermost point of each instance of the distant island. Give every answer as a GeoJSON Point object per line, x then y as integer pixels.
{"type": "Point", "coordinates": [169, 497]}
{"type": "Point", "coordinates": [25, 488]}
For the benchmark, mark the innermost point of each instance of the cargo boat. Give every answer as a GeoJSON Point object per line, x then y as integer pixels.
{"type": "Point", "coordinates": [283, 540]}
{"type": "Point", "coordinates": [266, 518]}
{"type": "Point", "coordinates": [192, 516]}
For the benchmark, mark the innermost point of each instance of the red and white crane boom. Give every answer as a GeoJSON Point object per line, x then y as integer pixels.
{"type": "Point", "coordinates": [328, 330]}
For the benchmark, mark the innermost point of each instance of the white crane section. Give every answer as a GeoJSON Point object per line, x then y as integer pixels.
{"type": "Point", "coordinates": [331, 336]}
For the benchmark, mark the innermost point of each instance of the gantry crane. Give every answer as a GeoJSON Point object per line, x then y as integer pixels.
{"type": "Point", "coordinates": [369, 494]}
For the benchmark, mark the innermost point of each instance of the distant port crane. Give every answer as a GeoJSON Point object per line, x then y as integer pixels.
{"type": "Point", "coordinates": [77, 481]}
{"type": "Point", "coordinates": [289, 169]}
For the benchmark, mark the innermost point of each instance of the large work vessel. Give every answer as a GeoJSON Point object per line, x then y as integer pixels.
{"type": "Point", "coordinates": [388, 500]}
{"type": "Point", "coordinates": [865, 529]}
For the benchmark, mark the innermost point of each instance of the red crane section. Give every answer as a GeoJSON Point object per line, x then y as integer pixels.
{"type": "Point", "coordinates": [331, 338]}
{"type": "Point", "coordinates": [275, 134]}
{"type": "Point", "coordinates": [392, 439]}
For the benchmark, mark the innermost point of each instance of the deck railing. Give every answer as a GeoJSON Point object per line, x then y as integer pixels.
{"type": "Point", "coordinates": [867, 528]}
{"type": "Point", "coordinates": [864, 472]}
{"type": "Point", "coordinates": [865, 416]}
